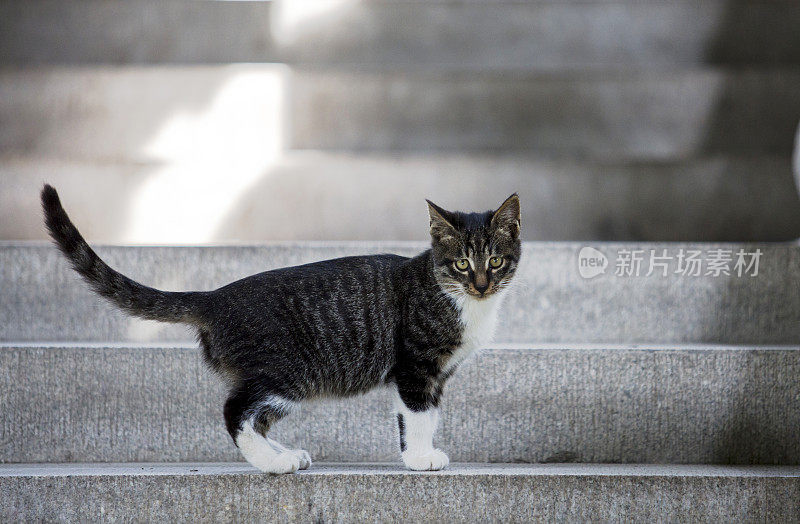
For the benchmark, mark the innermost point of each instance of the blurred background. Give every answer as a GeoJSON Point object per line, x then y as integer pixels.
{"type": "Point", "coordinates": [191, 122]}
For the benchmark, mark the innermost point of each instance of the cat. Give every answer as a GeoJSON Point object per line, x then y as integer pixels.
{"type": "Point", "coordinates": [334, 328]}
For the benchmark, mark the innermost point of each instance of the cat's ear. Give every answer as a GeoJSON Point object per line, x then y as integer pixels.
{"type": "Point", "coordinates": [507, 217]}
{"type": "Point", "coordinates": [441, 222]}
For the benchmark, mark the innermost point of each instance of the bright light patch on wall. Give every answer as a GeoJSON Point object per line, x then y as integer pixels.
{"type": "Point", "coordinates": [208, 159]}
{"type": "Point", "coordinates": [290, 19]}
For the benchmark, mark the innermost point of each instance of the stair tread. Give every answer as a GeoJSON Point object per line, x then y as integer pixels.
{"type": "Point", "coordinates": [392, 469]}
{"type": "Point", "coordinates": [550, 302]}
{"type": "Point", "coordinates": [387, 492]}
{"type": "Point", "coordinates": [119, 112]}
{"type": "Point", "coordinates": [637, 404]}
{"type": "Point", "coordinates": [189, 345]}
{"type": "Point", "coordinates": [551, 34]}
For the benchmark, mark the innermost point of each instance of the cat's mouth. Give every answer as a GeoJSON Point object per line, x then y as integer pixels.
{"type": "Point", "coordinates": [474, 293]}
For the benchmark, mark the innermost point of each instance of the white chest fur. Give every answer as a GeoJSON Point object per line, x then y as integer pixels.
{"type": "Point", "coordinates": [479, 320]}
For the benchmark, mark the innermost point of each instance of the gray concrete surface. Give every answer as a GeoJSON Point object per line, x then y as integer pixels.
{"type": "Point", "coordinates": [659, 115]}
{"type": "Point", "coordinates": [42, 299]}
{"type": "Point", "coordinates": [145, 469]}
{"type": "Point", "coordinates": [483, 35]}
{"type": "Point", "coordinates": [796, 160]}
{"type": "Point", "coordinates": [151, 113]}
{"type": "Point", "coordinates": [662, 404]}
{"type": "Point", "coordinates": [498, 493]}
{"type": "Point", "coordinates": [306, 196]}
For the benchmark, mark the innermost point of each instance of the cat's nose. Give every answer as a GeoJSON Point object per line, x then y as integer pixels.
{"type": "Point", "coordinates": [481, 282]}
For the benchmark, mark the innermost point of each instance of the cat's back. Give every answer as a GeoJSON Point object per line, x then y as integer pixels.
{"type": "Point", "coordinates": [322, 278]}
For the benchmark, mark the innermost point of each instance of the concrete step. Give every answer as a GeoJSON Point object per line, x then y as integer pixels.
{"type": "Point", "coordinates": [554, 35]}
{"type": "Point", "coordinates": [727, 198]}
{"type": "Point", "coordinates": [385, 493]}
{"type": "Point", "coordinates": [246, 113]}
{"type": "Point", "coordinates": [42, 299]}
{"type": "Point", "coordinates": [512, 403]}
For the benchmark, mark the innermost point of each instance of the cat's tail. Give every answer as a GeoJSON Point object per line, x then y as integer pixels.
{"type": "Point", "coordinates": [130, 296]}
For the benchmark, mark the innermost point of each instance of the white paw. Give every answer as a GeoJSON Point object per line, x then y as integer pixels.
{"type": "Point", "coordinates": [283, 462]}
{"type": "Point", "coordinates": [303, 456]}
{"type": "Point", "coordinates": [432, 460]}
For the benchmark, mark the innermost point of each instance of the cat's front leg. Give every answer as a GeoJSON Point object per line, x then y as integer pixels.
{"type": "Point", "coordinates": [417, 420]}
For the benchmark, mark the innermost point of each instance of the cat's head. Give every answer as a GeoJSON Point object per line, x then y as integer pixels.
{"type": "Point", "coordinates": [475, 254]}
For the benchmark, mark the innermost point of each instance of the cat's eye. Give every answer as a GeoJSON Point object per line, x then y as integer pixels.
{"type": "Point", "coordinates": [495, 262]}
{"type": "Point", "coordinates": [462, 264]}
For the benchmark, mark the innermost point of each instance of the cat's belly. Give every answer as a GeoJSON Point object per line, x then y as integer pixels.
{"type": "Point", "coordinates": [358, 381]}
{"type": "Point", "coordinates": [350, 370]}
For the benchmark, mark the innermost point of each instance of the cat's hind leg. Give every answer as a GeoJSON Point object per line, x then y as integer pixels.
{"type": "Point", "coordinates": [249, 418]}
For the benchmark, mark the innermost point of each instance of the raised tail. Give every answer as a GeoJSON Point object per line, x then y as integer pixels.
{"type": "Point", "coordinates": [132, 297]}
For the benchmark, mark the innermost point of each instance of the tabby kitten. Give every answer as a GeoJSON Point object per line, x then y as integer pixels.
{"type": "Point", "coordinates": [334, 328]}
